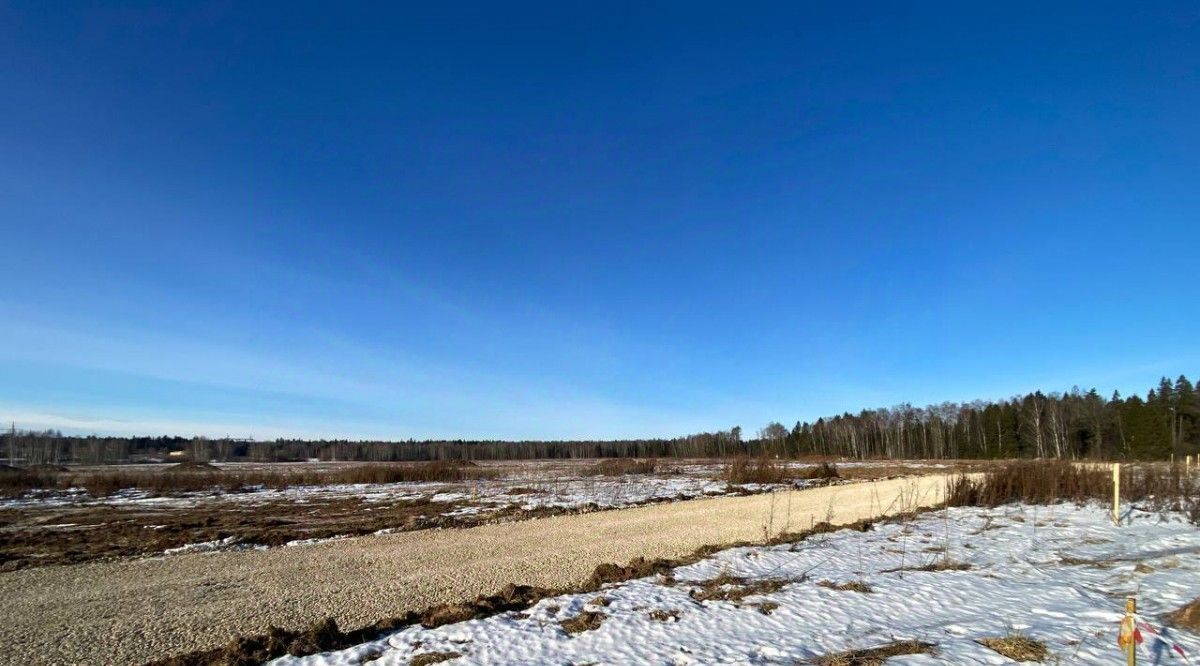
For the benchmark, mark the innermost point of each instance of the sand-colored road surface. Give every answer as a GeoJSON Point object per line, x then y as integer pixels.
{"type": "Point", "coordinates": [133, 611]}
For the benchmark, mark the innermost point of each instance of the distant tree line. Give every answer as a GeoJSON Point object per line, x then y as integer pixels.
{"type": "Point", "coordinates": [1071, 425]}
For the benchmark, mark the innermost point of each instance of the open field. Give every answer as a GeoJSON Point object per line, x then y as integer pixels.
{"type": "Point", "coordinates": [94, 513]}
{"type": "Point", "coordinates": [133, 610]}
{"type": "Point", "coordinates": [165, 568]}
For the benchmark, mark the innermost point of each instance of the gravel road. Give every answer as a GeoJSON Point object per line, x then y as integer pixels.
{"type": "Point", "coordinates": [128, 612]}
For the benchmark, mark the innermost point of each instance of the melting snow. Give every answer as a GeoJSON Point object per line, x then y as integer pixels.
{"type": "Point", "coordinates": [1057, 574]}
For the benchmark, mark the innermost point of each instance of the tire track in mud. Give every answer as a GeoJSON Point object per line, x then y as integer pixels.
{"type": "Point", "coordinates": [137, 610]}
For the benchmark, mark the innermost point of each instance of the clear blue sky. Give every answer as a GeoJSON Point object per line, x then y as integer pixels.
{"type": "Point", "coordinates": [598, 220]}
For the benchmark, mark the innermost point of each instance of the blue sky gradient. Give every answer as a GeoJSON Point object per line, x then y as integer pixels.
{"type": "Point", "coordinates": [604, 220]}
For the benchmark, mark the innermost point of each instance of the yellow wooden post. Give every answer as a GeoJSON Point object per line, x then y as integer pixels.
{"type": "Point", "coordinates": [1116, 514]}
{"type": "Point", "coordinates": [1131, 645]}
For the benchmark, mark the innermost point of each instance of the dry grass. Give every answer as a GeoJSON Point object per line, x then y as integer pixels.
{"type": "Point", "coordinates": [1017, 647]}
{"type": "Point", "coordinates": [875, 656]}
{"type": "Point", "coordinates": [193, 477]}
{"type": "Point", "coordinates": [621, 467]}
{"type": "Point", "coordinates": [756, 470]}
{"type": "Point", "coordinates": [1187, 616]}
{"type": "Point", "coordinates": [732, 588]}
{"type": "Point", "coordinates": [433, 658]}
{"type": "Point", "coordinates": [769, 471]}
{"type": "Point", "coordinates": [1036, 482]}
{"type": "Point", "coordinates": [585, 621]}
{"type": "Point", "coordinates": [638, 568]}
{"type": "Point", "coordinates": [512, 597]}
{"type": "Point", "coordinates": [852, 586]}
{"type": "Point", "coordinates": [825, 470]}
{"type": "Point", "coordinates": [1050, 481]}
{"type": "Point", "coordinates": [940, 564]}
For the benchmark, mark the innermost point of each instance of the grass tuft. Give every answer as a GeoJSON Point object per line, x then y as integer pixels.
{"type": "Point", "coordinates": [852, 586]}
{"type": "Point", "coordinates": [585, 621]}
{"type": "Point", "coordinates": [875, 656]}
{"type": "Point", "coordinates": [1017, 647]}
{"type": "Point", "coordinates": [432, 658]}
{"type": "Point", "coordinates": [732, 588]}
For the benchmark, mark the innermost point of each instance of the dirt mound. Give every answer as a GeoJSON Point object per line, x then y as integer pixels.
{"type": "Point", "coordinates": [638, 568]}
{"type": "Point", "coordinates": [320, 637]}
{"type": "Point", "coordinates": [512, 597]}
{"type": "Point", "coordinates": [1188, 616]}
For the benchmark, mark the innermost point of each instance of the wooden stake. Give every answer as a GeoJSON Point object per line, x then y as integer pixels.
{"type": "Point", "coordinates": [1131, 646]}
{"type": "Point", "coordinates": [1116, 470]}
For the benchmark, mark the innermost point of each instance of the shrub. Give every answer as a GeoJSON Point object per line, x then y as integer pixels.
{"type": "Point", "coordinates": [757, 470]}
{"type": "Point", "coordinates": [1051, 481]}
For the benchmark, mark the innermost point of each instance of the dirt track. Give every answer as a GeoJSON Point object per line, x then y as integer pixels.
{"type": "Point", "coordinates": [133, 611]}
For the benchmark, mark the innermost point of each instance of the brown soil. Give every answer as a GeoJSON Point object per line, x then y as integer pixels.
{"type": "Point", "coordinates": [35, 537]}
{"type": "Point", "coordinates": [32, 537]}
{"type": "Point", "coordinates": [198, 476]}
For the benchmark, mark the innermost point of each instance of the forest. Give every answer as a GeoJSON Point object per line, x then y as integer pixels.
{"type": "Point", "coordinates": [1070, 425]}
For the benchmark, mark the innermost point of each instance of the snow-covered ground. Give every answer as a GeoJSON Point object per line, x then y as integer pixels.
{"type": "Point", "coordinates": [1057, 574]}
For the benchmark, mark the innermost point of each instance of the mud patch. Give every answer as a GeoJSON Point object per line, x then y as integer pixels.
{"type": "Point", "coordinates": [31, 537]}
